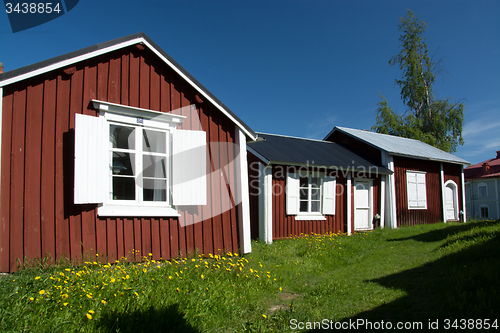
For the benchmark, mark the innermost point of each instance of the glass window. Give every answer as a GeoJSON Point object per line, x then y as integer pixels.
{"type": "Point", "coordinates": [138, 171]}
{"type": "Point", "coordinates": [484, 212]}
{"type": "Point", "coordinates": [310, 194]}
{"type": "Point", "coordinates": [482, 190]}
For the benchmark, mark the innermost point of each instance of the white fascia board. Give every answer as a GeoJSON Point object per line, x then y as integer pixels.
{"type": "Point", "coordinates": [102, 106]}
{"type": "Point", "coordinates": [198, 89]}
{"type": "Point", "coordinates": [259, 156]}
{"type": "Point", "coordinates": [71, 61]}
{"type": "Point", "coordinates": [346, 170]}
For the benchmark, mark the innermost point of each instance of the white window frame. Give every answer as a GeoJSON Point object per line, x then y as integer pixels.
{"type": "Point", "coordinates": [416, 191]}
{"type": "Point", "coordinates": [327, 195]}
{"type": "Point", "coordinates": [479, 186]}
{"type": "Point", "coordinates": [98, 168]}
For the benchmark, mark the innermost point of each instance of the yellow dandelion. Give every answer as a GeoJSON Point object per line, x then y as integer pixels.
{"type": "Point", "coordinates": [150, 254]}
{"type": "Point", "coordinates": [103, 302]}
{"type": "Point", "coordinates": [64, 304]}
{"type": "Point", "coordinates": [89, 316]}
{"type": "Point", "coordinates": [67, 269]}
{"type": "Point", "coordinates": [202, 276]}
{"type": "Point", "coordinates": [91, 311]}
{"type": "Point", "coordinates": [31, 298]}
{"type": "Point", "coordinates": [136, 294]}
{"type": "Point", "coordinates": [265, 317]}
{"type": "Point", "coordinates": [37, 278]}
{"type": "Point", "coordinates": [41, 292]}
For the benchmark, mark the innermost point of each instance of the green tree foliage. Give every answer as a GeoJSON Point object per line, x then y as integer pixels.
{"type": "Point", "coordinates": [437, 122]}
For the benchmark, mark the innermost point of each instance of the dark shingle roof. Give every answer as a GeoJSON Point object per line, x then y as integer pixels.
{"type": "Point", "coordinates": [278, 149]}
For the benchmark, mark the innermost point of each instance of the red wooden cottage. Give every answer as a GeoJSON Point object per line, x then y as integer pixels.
{"type": "Point", "coordinates": [116, 149]}
{"type": "Point", "coordinates": [427, 184]}
{"type": "Point", "coordinates": [303, 186]}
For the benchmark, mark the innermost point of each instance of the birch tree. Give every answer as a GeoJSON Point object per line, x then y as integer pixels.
{"type": "Point", "coordinates": [437, 122]}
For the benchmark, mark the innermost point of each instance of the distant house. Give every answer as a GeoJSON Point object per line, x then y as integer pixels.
{"type": "Point", "coordinates": [427, 184]}
{"type": "Point", "coordinates": [482, 189]}
{"type": "Point", "coordinates": [303, 186]}
{"type": "Point", "coordinates": [116, 149]}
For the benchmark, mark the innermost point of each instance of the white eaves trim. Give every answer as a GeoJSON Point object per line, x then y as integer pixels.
{"type": "Point", "coordinates": [115, 47]}
{"type": "Point", "coordinates": [259, 156]}
{"type": "Point", "coordinates": [72, 61]}
{"type": "Point", "coordinates": [126, 110]}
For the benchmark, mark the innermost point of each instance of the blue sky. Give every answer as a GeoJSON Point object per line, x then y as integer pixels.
{"type": "Point", "coordinates": [297, 67]}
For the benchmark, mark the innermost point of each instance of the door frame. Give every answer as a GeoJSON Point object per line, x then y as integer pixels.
{"type": "Point", "coordinates": [454, 187]}
{"type": "Point", "coordinates": [370, 202]}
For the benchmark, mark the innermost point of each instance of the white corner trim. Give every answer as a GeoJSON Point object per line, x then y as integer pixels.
{"type": "Point", "coordinates": [268, 205]}
{"type": "Point", "coordinates": [443, 194]}
{"type": "Point", "coordinates": [245, 236]}
{"type": "Point", "coordinates": [462, 180]}
{"type": "Point", "coordinates": [349, 204]}
{"type": "Point", "coordinates": [382, 202]}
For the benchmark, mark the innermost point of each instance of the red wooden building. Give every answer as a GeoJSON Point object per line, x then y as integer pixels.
{"type": "Point", "coordinates": [116, 149]}
{"type": "Point", "coordinates": [427, 184]}
{"type": "Point", "coordinates": [303, 186]}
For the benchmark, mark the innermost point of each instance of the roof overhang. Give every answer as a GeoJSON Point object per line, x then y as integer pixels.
{"type": "Point", "coordinates": [110, 46]}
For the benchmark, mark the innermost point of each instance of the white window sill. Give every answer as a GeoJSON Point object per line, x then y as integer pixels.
{"type": "Point", "coordinates": [310, 217]}
{"type": "Point", "coordinates": [136, 211]}
{"type": "Point", "coordinates": [417, 208]}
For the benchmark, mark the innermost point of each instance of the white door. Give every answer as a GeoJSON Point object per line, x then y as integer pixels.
{"type": "Point", "coordinates": [450, 201]}
{"type": "Point", "coordinates": [362, 205]}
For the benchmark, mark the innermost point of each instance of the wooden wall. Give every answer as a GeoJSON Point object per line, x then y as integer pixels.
{"type": "Point", "coordinates": [434, 211]}
{"type": "Point", "coordinates": [286, 226]}
{"type": "Point", "coordinates": [38, 218]}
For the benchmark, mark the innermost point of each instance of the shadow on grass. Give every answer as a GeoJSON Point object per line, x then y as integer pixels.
{"type": "Point", "coordinates": [441, 234]}
{"type": "Point", "coordinates": [462, 285]}
{"type": "Point", "coordinates": [150, 320]}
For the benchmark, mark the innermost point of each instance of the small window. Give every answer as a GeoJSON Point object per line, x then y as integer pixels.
{"type": "Point", "coordinates": [310, 194]}
{"type": "Point", "coordinates": [416, 190]}
{"type": "Point", "coordinates": [485, 212]}
{"type": "Point", "coordinates": [482, 190]}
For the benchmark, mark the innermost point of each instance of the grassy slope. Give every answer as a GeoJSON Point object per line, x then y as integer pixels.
{"type": "Point", "coordinates": [409, 274]}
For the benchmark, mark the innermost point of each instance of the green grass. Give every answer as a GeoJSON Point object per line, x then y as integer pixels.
{"type": "Point", "coordinates": [418, 273]}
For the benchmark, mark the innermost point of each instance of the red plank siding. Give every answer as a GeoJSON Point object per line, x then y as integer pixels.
{"type": "Point", "coordinates": [434, 211]}
{"type": "Point", "coordinates": [38, 217]}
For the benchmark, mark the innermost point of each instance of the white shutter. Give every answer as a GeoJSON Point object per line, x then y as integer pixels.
{"type": "Point", "coordinates": [292, 193]}
{"type": "Point", "coordinates": [90, 159]}
{"type": "Point", "coordinates": [189, 167]}
{"type": "Point", "coordinates": [421, 191]}
{"type": "Point", "coordinates": [411, 183]}
{"type": "Point", "coordinates": [329, 186]}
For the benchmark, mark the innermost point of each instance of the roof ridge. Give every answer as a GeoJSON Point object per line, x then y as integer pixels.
{"type": "Point", "coordinates": [293, 137]}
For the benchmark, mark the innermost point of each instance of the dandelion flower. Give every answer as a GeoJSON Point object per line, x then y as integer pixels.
{"type": "Point", "coordinates": [37, 278]}
{"type": "Point", "coordinates": [89, 316]}
{"type": "Point", "coordinates": [64, 304]}
{"type": "Point", "coordinates": [103, 302]}
{"type": "Point", "coordinates": [202, 276]}
{"type": "Point", "coordinates": [91, 311]}
{"type": "Point", "coordinates": [41, 292]}
{"type": "Point", "coordinates": [265, 317]}
{"type": "Point", "coordinates": [31, 298]}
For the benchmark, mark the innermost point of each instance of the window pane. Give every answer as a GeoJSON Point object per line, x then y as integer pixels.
{"type": "Point", "coordinates": [316, 182]}
{"type": "Point", "coordinates": [315, 206]}
{"type": "Point", "coordinates": [315, 194]}
{"type": "Point", "coordinates": [304, 193]}
{"type": "Point", "coordinates": [123, 188]}
{"type": "Point", "coordinates": [122, 137]}
{"type": "Point", "coordinates": [303, 206]}
{"type": "Point", "coordinates": [123, 164]}
{"type": "Point", "coordinates": [154, 166]}
{"type": "Point", "coordinates": [304, 181]}
{"type": "Point", "coordinates": [154, 190]}
{"type": "Point", "coordinates": [154, 141]}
